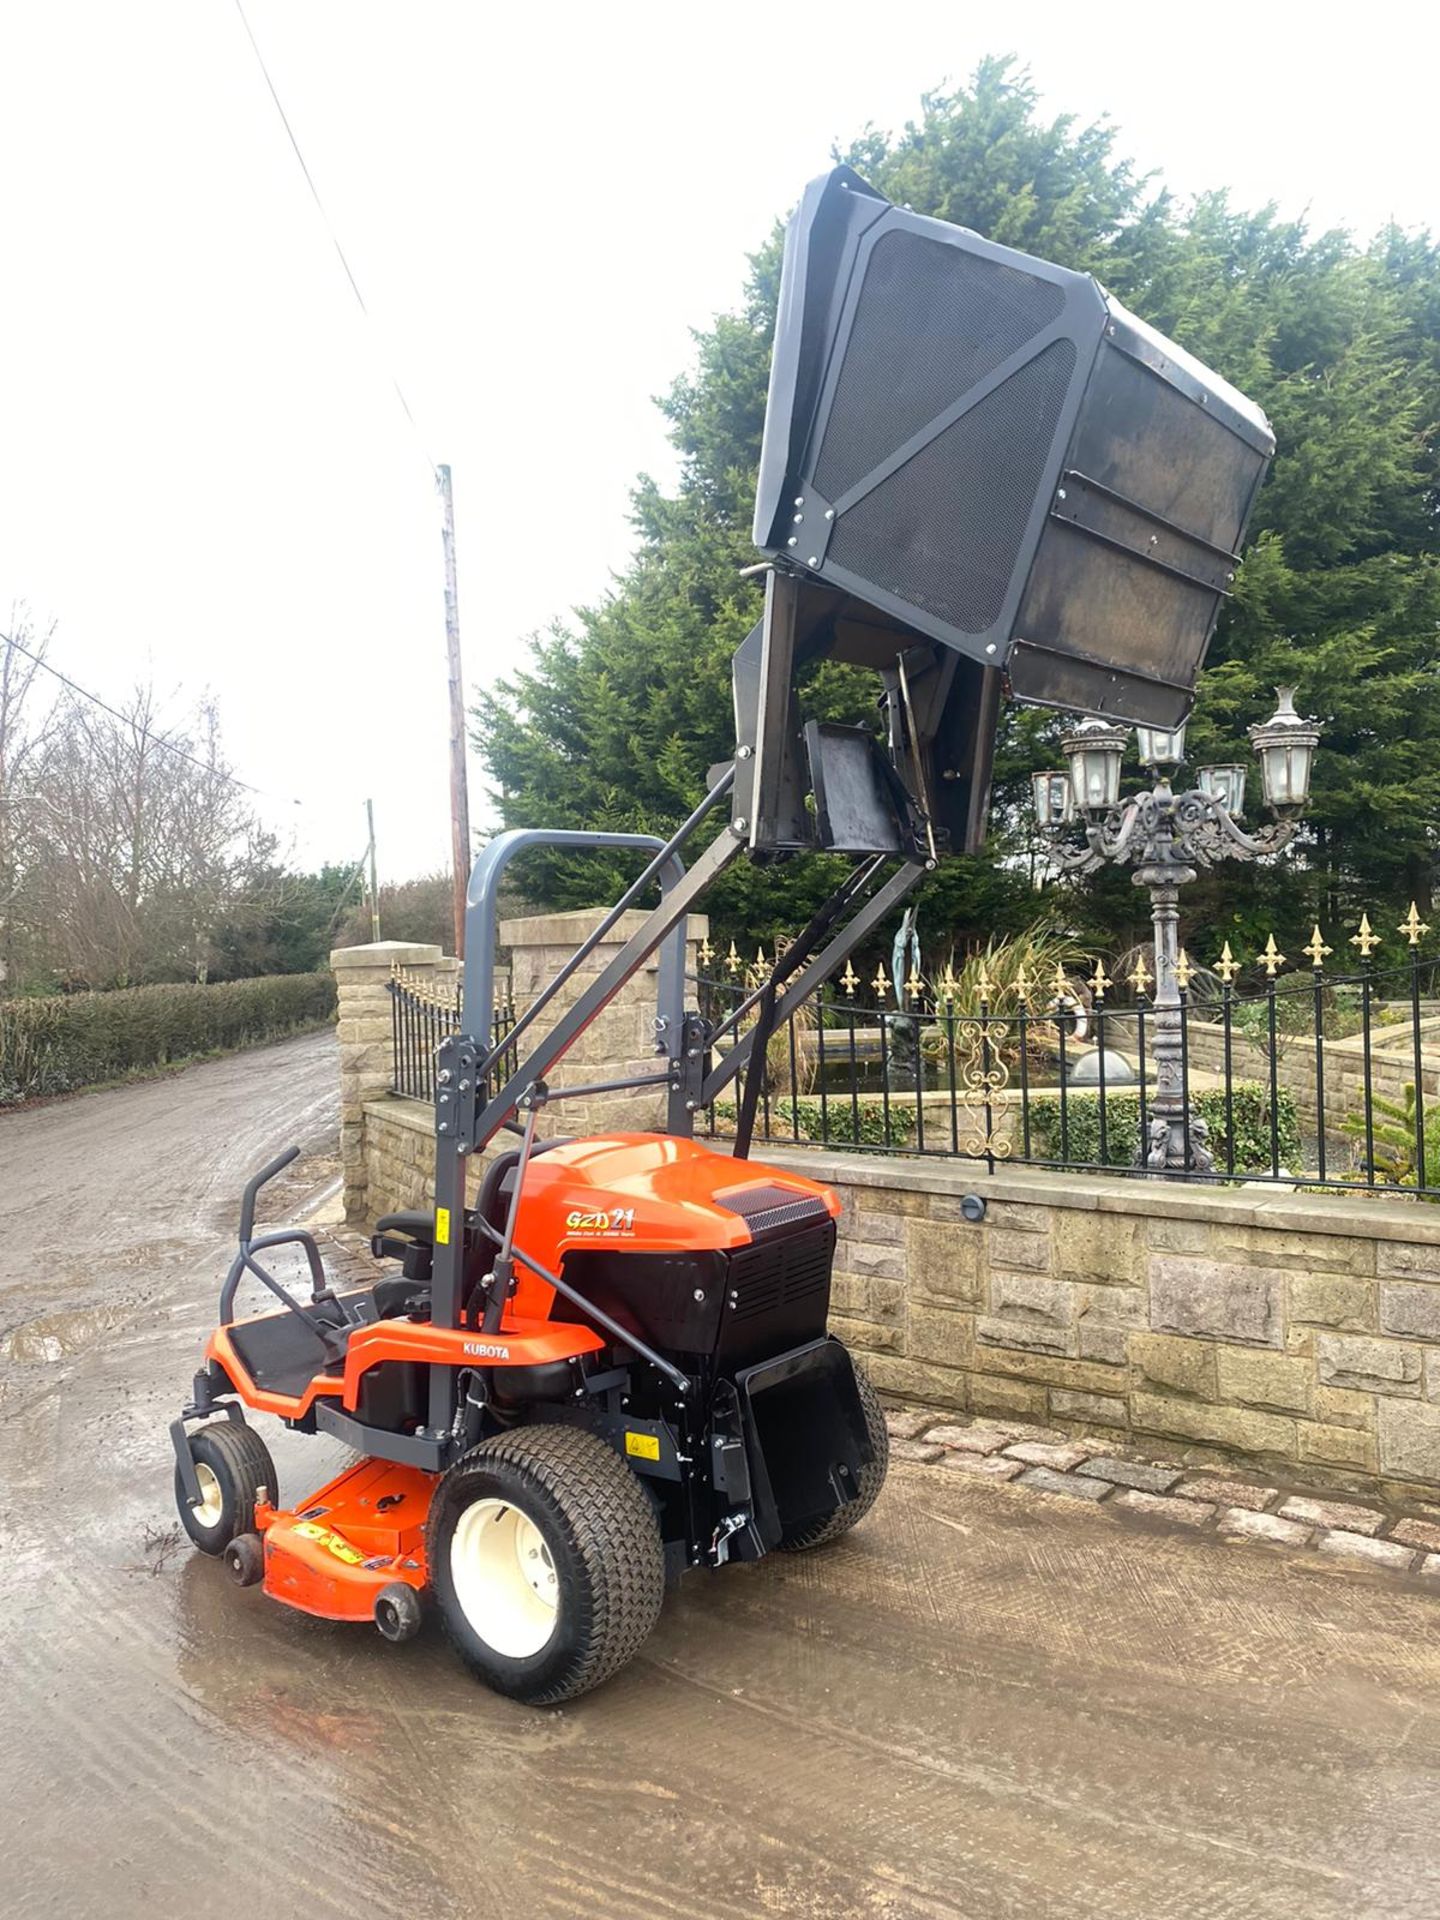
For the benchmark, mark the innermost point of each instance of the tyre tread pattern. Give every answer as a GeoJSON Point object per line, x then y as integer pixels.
{"type": "Point", "coordinates": [246, 1459]}
{"type": "Point", "coordinates": [613, 1528]}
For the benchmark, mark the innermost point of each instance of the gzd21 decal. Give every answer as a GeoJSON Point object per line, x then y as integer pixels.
{"type": "Point", "coordinates": [612, 1223]}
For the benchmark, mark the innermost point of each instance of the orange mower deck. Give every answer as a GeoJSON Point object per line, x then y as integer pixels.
{"type": "Point", "coordinates": [353, 1538]}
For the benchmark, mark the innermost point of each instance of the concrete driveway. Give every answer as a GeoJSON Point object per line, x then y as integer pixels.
{"type": "Point", "coordinates": [983, 1704]}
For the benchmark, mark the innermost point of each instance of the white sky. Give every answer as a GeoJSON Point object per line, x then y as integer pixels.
{"type": "Point", "coordinates": [204, 473]}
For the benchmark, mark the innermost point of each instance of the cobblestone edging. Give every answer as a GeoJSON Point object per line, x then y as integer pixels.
{"type": "Point", "coordinates": [1053, 1464]}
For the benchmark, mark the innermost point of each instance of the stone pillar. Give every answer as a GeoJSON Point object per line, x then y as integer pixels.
{"type": "Point", "coordinates": [364, 1032]}
{"type": "Point", "coordinates": [620, 1040]}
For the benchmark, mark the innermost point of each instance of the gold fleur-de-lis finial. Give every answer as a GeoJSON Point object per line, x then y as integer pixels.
{"type": "Point", "coordinates": [881, 982]}
{"type": "Point", "coordinates": [849, 980]}
{"type": "Point", "coordinates": [1271, 959]}
{"type": "Point", "coordinates": [1099, 980]}
{"type": "Point", "coordinates": [1227, 966]}
{"type": "Point", "coordinates": [1140, 977]}
{"type": "Point", "coordinates": [706, 953]}
{"type": "Point", "coordinates": [1412, 926]}
{"type": "Point", "coordinates": [1317, 948]}
{"type": "Point", "coordinates": [1060, 986]}
{"type": "Point", "coordinates": [1184, 972]}
{"type": "Point", "coordinates": [915, 986]}
{"type": "Point", "coordinates": [732, 960]}
{"type": "Point", "coordinates": [1022, 985]}
{"type": "Point", "coordinates": [949, 985]}
{"type": "Point", "coordinates": [761, 963]}
{"type": "Point", "coordinates": [1365, 940]}
{"type": "Point", "coordinates": [985, 986]}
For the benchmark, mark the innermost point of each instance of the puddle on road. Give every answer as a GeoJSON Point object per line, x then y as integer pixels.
{"type": "Point", "coordinates": [58, 1336]}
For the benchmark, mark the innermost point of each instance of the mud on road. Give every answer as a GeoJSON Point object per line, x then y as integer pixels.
{"type": "Point", "coordinates": [105, 1198]}
{"type": "Point", "coordinates": [981, 1704]}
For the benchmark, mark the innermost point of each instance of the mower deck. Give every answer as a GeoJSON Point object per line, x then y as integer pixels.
{"type": "Point", "coordinates": [355, 1536]}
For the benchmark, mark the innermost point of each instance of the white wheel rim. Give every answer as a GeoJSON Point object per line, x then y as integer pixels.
{"type": "Point", "coordinates": [505, 1580]}
{"type": "Point", "coordinates": [212, 1501]}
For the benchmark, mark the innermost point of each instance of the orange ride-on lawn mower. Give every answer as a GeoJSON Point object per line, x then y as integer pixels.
{"type": "Point", "coordinates": [978, 473]}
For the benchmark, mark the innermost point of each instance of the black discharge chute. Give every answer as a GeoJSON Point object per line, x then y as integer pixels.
{"type": "Point", "coordinates": [979, 473]}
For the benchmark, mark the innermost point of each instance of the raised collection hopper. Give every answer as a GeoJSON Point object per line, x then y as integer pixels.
{"type": "Point", "coordinates": [978, 464]}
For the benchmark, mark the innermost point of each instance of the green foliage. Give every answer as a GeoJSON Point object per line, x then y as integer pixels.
{"type": "Point", "coordinates": [837, 1124]}
{"type": "Point", "coordinates": [613, 723]}
{"type": "Point", "coordinates": [1340, 1015]}
{"type": "Point", "coordinates": [1037, 950]}
{"type": "Point", "coordinates": [1393, 1130]}
{"type": "Point", "coordinates": [64, 1041]}
{"type": "Point", "coordinates": [1080, 1133]}
{"type": "Point", "coordinates": [284, 923]}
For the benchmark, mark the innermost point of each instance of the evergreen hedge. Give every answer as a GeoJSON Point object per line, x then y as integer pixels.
{"type": "Point", "coordinates": [65, 1041]}
{"type": "Point", "coordinates": [1250, 1108]}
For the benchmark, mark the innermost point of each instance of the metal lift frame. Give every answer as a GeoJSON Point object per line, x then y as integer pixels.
{"type": "Point", "coordinates": [468, 1114]}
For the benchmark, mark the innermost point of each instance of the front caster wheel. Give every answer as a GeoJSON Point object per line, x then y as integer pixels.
{"type": "Point", "coordinates": [245, 1559]}
{"type": "Point", "coordinates": [397, 1611]}
{"type": "Point", "coordinates": [233, 1466]}
{"type": "Point", "coordinates": [546, 1562]}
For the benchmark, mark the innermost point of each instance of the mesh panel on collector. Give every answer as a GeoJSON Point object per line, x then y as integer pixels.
{"type": "Point", "coordinates": [931, 321]}
{"type": "Point", "coordinates": [985, 468]}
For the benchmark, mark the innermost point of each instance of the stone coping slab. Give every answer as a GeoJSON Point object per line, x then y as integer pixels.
{"type": "Point", "coordinates": [385, 953]}
{"type": "Point", "coordinates": [1281, 1209]}
{"type": "Point", "coordinates": [1257, 1205]}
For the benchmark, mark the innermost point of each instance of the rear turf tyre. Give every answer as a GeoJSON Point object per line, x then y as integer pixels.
{"type": "Point", "coordinates": [233, 1466]}
{"type": "Point", "coordinates": [819, 1533]}
{"type": "Point", "coordinates": [546, 1562]}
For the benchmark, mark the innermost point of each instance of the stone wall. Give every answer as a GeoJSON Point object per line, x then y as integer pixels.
{"type": "Point", "coordinates": [365, 1035]}
{"type": "Point", "coordinates": [387, 1144]}
{"type": "Point", "coordinates": [1391, 1069]}
{"type": "Point", "coordinates": [1299, 1330]}
{"type": "Point", "coordinates": [1302, 1330]}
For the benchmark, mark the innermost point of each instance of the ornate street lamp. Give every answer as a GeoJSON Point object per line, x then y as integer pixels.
{"type": "Point", "coordinates": [1095, 750]}
{"type": "Point", "coordinates": [1161, 747]}
{"type": "Point", "coordinates": [1054, 798]}
{"type": "Point", "coordinates": [1286, 746]}
{"type": "Point", "coordinates": [1225, 784]}
{"type": "Point", "coordinates": [1168, 837]}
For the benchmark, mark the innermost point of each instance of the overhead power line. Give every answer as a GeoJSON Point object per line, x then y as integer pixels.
{"type": "Point", "coordinates": [329, 226]}
{"type": "Point", "coordinates": [128, 720]}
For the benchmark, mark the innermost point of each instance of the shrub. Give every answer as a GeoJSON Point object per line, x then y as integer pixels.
{"type": "Point", "coordinates": [65, 1041]}
{"type": "Point", "coordinates": [837, 1125]}
{"type": "Point", "coordinates": [1250, 1106]}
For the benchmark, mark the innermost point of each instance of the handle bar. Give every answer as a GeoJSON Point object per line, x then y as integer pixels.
{"type": "Point", "coordinates": [247, 1205]}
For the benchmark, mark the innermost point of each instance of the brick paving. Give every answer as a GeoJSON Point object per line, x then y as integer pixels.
{"type": "Point", "coordinates": [1042, 1461]}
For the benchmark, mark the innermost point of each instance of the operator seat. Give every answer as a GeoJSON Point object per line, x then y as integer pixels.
{"type": "Point", "coordinates": [408, 1293]}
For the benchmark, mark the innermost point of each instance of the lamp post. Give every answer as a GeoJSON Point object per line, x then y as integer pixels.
{"type": "Point", "coordinates": [1168, 836]}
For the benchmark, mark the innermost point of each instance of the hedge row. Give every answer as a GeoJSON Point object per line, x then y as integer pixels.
{"type": "Point", "coordinates": [65, 1041]}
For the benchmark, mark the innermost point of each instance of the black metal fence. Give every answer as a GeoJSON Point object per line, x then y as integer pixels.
{"type": "Point", "coordinates": [1327, 1079]}
{"type": "Point", "coordinates": [421, 1016]}
{"type": "Point", "coordinates": [1316, 1078]}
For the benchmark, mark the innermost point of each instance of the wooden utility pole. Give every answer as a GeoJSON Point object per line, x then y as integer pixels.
{"type": "Point", "coordinates": [374, 885]}
{"type": "Point", "coordinates": [459, 788]}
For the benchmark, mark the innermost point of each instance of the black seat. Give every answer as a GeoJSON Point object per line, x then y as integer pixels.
{"type": "Point", "coordinates": [409, 1291]}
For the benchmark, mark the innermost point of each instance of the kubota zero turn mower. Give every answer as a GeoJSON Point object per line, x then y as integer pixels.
{"type": "Point", "coordinates": [979, 474]}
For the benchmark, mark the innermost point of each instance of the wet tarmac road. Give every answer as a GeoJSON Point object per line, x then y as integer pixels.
{"type": "Point", "coordinates": [983, 1704]}
{"type": "Point", "coordinates": [102, 1195]}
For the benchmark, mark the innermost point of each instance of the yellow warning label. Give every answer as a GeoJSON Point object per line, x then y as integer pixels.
{"type": "Point", "coordinates": [646, 1445]}
{"type": "Point", "coordinates": [335, 1543]}
{"type": "Point", "coordinates": [442, 1226]}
